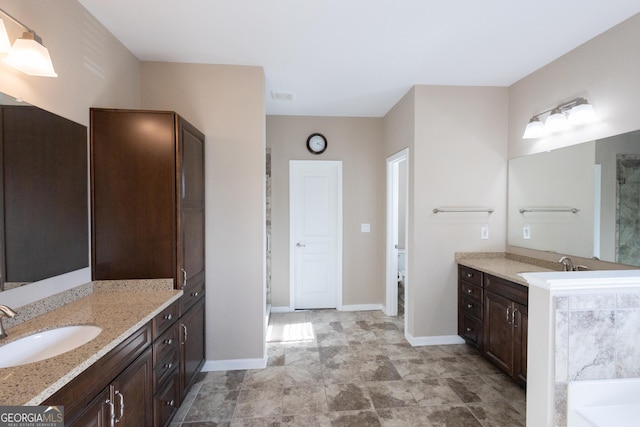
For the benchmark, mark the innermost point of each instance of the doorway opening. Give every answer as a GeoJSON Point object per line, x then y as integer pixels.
{"type": "Point", "coordinates": [397, 279]}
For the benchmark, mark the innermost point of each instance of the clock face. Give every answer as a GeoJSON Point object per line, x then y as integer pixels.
{"type": "Point", "coordinates": [316, 143]}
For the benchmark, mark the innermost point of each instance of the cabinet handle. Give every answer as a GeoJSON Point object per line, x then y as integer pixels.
{"type": "Point", "coordinates": [169, 403]}
{"type": "Point", "coordinates": [508, 315]}
{"type": "Point", "coordinates": [184, 277]}
{"type": "Point", "coordinates": [169, 341]}
{"type": "Point", "coordinates": [469, 305]}
{"type": "Point", "coordinates": [184, 328]}
{"type": "Point", "coordinates": [168, 316]}
{"type": "Point", "coordinates": [513, 318]}
{"type": "Point", "coordinates": [117, 393]}
{"type": "Point", "coordinates": [112, 412]}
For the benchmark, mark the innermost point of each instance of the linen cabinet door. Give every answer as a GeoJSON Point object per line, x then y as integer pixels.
{"type": "Point", "coordinates": [192, 345]}
{"type": "Point", "coordinates": [498, 331]}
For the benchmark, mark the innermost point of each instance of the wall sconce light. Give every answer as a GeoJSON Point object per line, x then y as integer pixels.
{"type": "Point", "coordinates": [575, 112]}
{"type": "Point", "coordinates": [27, 54]}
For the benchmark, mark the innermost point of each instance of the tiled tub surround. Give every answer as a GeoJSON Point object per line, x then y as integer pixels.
{"type": "Point", "coordinates": [118, 307]}
{"type": "Point", "coordinates": [582, 326]}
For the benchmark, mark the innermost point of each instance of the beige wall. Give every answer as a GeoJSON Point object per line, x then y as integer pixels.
{"type": "Point", "coordinates": [94, 70]}
{"type": "Point", "coordinates": [457, 157]}
{"type": "Point", "coordinates": [605, 70]}
{"type": "Point", "coordinates": [227, 104]}
{"type": "Point", "coordinates": [357, 142]}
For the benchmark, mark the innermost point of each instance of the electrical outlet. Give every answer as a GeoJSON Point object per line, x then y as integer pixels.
{"type": "Point", "coordinates": [484, 232]}
{"type": "Point", "coordinates": [526, 232]}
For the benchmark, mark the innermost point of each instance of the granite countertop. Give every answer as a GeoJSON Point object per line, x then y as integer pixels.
{"type": "Point", "coordinates": [505, 265]}
{"type": "Point", "coordinates": [118, 313]}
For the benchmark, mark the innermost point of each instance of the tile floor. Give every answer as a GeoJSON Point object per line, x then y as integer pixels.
{"type": "Point", "coordinates": [330, 368]}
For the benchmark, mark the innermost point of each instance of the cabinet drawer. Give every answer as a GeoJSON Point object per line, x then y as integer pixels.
{"type": "Point", "coordinates": [192, 294]}
{"type": "Point", "coordinates": [470, 275]}
{"type": "Point", "coordinates": [471, 306]}
{"type": "Point", "coordinates": [165, 402]}
{"type": "Point", "coordinates": [471, 330]}
{"type": "Point", "coordinates": [507, 289]}
{"type": "Point", "coordinates": [470, 291]}
{"type": "Point", "coordinates": [166, 318]}
{"type": "Point", "coordinates": [165, 368]}
{"type": "Point", "coordinates": [168, 342]}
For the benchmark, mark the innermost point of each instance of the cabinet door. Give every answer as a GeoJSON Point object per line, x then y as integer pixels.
{"type": "Point", "coordinates": [192, 340]}
{"type": "Point", "coordinates": [191, 259]}
{"type": "Point", "coordinates": [132, 393]}
{"type": "Point", "coordinates": [96, 414]}
{"type": "Point", "coordinates": [498, 331]}
{"type": "Point", "coordinates": [520, 328]}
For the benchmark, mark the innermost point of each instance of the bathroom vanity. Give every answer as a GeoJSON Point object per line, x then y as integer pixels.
{"type": "Point", "coordinates": [493, 310]}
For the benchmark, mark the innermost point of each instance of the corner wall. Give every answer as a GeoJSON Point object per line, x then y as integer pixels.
{"type": "Point", "coordinates": [227, 104]}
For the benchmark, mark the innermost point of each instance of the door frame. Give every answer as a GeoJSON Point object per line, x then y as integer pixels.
{"type": "Point", "coordinates": [393, 181]}
{"type": "Point", "coordinates": [292, 241]}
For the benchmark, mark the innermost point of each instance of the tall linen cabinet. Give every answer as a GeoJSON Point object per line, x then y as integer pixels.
{"type": "Point", "coordinates": [147, 208]}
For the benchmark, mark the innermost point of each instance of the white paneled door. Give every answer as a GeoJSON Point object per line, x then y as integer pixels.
{"type": "Point", "coordinates": [316, 234]}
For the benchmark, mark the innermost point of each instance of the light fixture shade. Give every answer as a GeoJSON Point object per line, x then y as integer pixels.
{"type": "Point", "coordinates": [582, 113]}
{"type": "Point", "coordinates": [534, 129]}
{"type": "Point", "coordinates": [556, 121]}
{"type": "Point", "coordinates": [5, 44]}
{"type": "Point", "coordinates": [30, 56]}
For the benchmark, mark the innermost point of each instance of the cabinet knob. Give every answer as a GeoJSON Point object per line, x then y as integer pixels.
{"type": "Point", "coordinates": [169, 402]}
{"type": "Point", "coordinates": [469, 291]}
{"type": "Point", "coordinates": [469, 275]}
{"type": "Point", "coordinates": [169, 341]}
{"type": "Point", "coordinates": [469, 305]}
{"type": "Point", "coordinates": [168, 316]}
{"type": "Point", "coordinates": [469, 329]}
{"type": "Point", "coordinates": [194, 294]}
{"type": "Point", "coordinates": [168, 365]}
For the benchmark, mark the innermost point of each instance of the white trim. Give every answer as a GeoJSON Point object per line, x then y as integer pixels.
{"type": "Point", "coordinates": [283, 309]}
{"type": "Point", "coordinates": [391, 279]}
{"type": "Point", "coordinates": [433, 340]}
{"type": "Point", "coordinates": [292, 242]}
{"type": "Point", "coordinates": [234, 364]}
{"type": "Point", "coordinates": [362, 307]}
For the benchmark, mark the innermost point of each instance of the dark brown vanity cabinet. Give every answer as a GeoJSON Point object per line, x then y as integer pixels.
{"type": "Point", "coordinates": [492, 317]}
{"type": "Point", "coordinates": [147, 181]}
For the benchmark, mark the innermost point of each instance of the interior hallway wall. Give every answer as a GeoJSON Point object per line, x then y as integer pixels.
{"type": "Point", "coordinates": [357, 142]}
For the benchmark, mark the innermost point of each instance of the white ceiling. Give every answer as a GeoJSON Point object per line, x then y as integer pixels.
{"type": "Point", "coordinates": [359, 57]}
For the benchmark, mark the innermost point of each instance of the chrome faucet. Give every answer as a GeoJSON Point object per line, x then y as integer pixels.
{"type": "Point", "coordinates": [5, 311]}
{"type": "Point", "coordinates": [567, 264]}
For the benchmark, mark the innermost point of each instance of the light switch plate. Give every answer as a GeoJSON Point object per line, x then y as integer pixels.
{"type": "Point", "coordinates": [484, 232]}
{"type": "Point", "coordinates": [526, 232]}
{"type": "Point", "coordinates": [365, 228]}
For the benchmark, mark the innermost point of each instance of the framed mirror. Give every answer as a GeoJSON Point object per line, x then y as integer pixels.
{"type": "Point", "coordinates": [581, 200]}
{"type": "Point", "coordinates": [44, 185]}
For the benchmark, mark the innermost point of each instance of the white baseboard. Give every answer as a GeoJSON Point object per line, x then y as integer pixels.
{"type": "Point", "coordinates": [234, 364]}
{"type": "Point", "coordinates": [433, 340]}
{"type": "Point", "coordinates": [361, 307]}
{"type": "Point", "coordinates": [283, 309]}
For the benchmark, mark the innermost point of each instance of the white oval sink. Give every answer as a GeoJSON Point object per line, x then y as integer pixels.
{"type": "Point", "coordinates": [46, 344]}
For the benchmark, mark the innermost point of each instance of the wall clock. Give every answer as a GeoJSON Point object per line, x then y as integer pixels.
{"type": "Point", "coordinates": [316, 143]}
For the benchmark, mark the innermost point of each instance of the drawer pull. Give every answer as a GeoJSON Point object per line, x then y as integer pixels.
{"type": "Point", "coordinates": [169, 402]}
{"type": "Point", "coordinates": [469, 305]}
{"type": "Point", "coordinates": [469, 329]}
{"type": "Point", "coordinates": [194, 294]}
{"type": "Point", "coordinates": [168, 316]}
{"type": "Point", "coordinates": [168, 365]}
{"type": "Point", "coordinates": [469, 275]}
{"type": "Point", "coordinates": [169, 341]}
{"type": "Point", "coordinates": [469, 291]}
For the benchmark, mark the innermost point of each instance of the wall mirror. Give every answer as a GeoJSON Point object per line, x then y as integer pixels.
{"type": "Point", "coordinates": [44, 205]}
{"type": "Point", "coordinates": [581, 200]}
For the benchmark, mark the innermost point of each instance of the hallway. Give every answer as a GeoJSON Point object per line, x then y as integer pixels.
{"type": "Point", "coordinates": [331, 368]}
